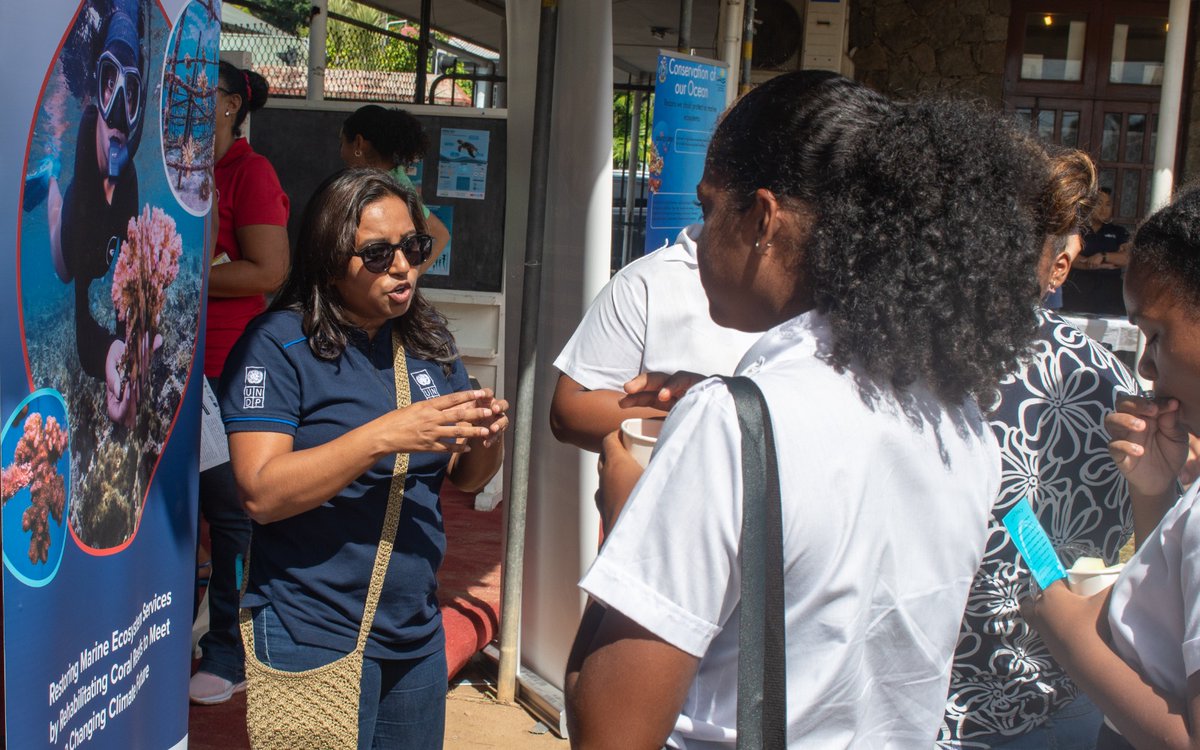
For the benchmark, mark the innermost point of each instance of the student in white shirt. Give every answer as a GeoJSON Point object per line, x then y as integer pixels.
{"type": "Point", "coordinates": [651, 317]}
{"type": "Point", "coordinates": [860, 235]}
{"type": "Point", "coordinates": [1136, 649]}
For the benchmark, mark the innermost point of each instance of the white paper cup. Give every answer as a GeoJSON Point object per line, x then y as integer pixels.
{"type": "Point", "coordinates": [639, 436]}
{"type": "Point", "coordinates": [1090, 576]}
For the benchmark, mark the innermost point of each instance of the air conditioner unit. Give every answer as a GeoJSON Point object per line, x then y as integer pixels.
{"type": "Point", "coordinates": [825, 35]}
{"type": "Point", "coordinates": [800, 35]}
{"type": "Point", "coordinates": [778, 36]}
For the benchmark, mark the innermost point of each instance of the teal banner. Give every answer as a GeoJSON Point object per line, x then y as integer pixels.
{"type": "Point", "coordinates": [689, 96]}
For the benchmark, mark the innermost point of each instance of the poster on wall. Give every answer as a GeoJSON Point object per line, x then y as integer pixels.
{"type": "Point", "coordinates": [462, 163]}
{"type": "Point", "coordinates": [109, 135]}
{"type": "Point", "coordinates": [689, 96]}
{"type": "Point", "coordinates": [441, 266]}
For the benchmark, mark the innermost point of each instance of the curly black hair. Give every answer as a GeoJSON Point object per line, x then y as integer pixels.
{"type": "Point", "coordinates": [926, 232]}
{"type": "Point", "coordinates": [323, 248]}
{"type": "Point", "coordinates": [394, 133]}
{"type": "Point", "coordinates": [1166, 248]}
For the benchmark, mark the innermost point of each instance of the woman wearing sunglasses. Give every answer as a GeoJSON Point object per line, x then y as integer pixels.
{"type": "Point", "coordinates": [250, 260]}
{"type": "Point", "coordinates": [88, 222]}
{"type": "Point", "coordinates": [309, 401]}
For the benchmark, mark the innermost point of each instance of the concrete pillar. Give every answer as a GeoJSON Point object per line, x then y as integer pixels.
{"type": "Point", "coordinates": [316, 50]}
{"type": "Point", "coordinates": [729, 31]}
{"type": "Point", "coordinates": [562, 521]}
{"type": "Point", "coordinates": [1169, 105]}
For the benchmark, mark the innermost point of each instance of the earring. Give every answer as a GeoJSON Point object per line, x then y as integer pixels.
{"type": "Point", "coordinates": [357, 153]}
{"type": "Point", "coordinates": [228, 113]}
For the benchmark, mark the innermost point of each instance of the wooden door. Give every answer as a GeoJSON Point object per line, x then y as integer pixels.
{"type": "Point", "coordinates": [1097, 92]}
{"type": "Point", "coordinates": [1126, 134]}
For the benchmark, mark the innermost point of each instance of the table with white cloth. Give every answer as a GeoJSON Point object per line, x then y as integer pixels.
{"type": "Point", "coordinates": [1116, 333]}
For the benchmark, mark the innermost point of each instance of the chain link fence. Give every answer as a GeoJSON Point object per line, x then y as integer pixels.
{"type": "Point", "coordinates": [370, 56]}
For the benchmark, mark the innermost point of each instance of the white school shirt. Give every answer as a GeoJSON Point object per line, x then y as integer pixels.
{"type": "Point", "coordinates": [885, 514]}
{"type": "Point", "coordinates": [1155, 607]}
{"type": "Point", "coordinates": [652, 317]}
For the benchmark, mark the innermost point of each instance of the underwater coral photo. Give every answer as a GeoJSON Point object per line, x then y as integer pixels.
{"type": "Point", "coordinates": [110, 264]}
{"type": "Point", "coordinates": [33, 487]}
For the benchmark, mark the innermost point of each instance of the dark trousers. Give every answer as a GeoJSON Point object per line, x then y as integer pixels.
{"type": "Point", "coordinates": [229, 535]}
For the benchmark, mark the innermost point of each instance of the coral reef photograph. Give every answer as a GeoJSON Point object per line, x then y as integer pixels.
{"type": "Point", "coordinates": [110, 264]}
{"type": "Point", "coordinates": [33, 486]}
{"type": "Point", "coordinates": [188, 97]}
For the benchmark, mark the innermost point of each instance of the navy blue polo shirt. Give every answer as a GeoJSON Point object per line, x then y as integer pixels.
{"type": "Point", "coordinates": [314, 568]}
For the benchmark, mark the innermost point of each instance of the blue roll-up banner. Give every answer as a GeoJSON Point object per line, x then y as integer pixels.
{"type": "Point", "coordinates": [689, 96]}
{"type": "Point", "coordinates": [106, 161]}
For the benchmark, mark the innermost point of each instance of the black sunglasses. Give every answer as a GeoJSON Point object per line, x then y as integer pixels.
{"type": "Point", "coordinates": [377, 257]}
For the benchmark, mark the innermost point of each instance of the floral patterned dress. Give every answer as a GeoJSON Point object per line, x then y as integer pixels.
{"type": "Point", "coordinates": [1050, 427]}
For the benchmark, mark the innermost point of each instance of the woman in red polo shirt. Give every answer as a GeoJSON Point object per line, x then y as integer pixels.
{"type": "Point", "coordinates": [250, 261]}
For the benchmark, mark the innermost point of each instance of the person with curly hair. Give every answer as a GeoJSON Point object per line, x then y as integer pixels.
{"type": "Point", "coordinates": [861, 236]}
{"type": "Point", "coordinates": [1005, 689]}
{"type": "Point", "coordinates": [1135, 648]}
{"type": "Point", "coordinates": [391, 139]}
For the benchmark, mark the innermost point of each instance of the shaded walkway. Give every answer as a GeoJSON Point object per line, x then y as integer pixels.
{"type": "Point", "coordinates": [470, 596]}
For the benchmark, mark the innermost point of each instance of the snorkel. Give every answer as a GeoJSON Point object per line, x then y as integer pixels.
{"type": "Point", "coordinates": [120, 85]}
{"type": "Point", "coordinates": [118, 157]}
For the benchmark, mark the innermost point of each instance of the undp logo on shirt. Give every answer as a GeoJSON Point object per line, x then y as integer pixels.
{"type": "Point", "coordinates": [254, 389]}
{"type": "Point", "coordinates": [425, 382]}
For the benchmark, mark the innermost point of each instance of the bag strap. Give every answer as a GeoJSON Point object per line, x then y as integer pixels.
{"type": "Point", "coordinates": [391, 518]}
{"type": "Point", "coordinates": [762, 662]}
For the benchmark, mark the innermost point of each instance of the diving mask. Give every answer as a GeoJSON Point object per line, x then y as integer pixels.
{"type": "Point", "coordinates": [114, 78]}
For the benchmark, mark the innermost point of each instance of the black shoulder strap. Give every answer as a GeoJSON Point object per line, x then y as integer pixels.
{"type": "Point", "coordinates": [762, 661]}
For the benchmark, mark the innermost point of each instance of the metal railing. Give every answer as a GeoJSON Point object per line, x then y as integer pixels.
{"type": "Point", "coordinates": [633, 104]}
{"type": "Point", "coordinates": [364, 61]}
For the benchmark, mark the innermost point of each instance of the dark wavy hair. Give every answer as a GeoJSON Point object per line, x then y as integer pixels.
{"type": "Point", "coordinates": [1166, 249]}
{"type": "Point", "coordinates": [247, 84]}
{"type": "Point", "coordinates": [394, 133]}
{"type": "Point", "coordinates": [323, 249]}
{"type": "Point", "coordinates": [926, 235]}
{"type": "Point", "coordinates": [1071, 195]}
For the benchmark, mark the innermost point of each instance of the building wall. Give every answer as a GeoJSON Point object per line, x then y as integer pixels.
{"type": "Point", "coordinates": [909, 47]}
{"type": "Point", "coordinates": [1189, 128]}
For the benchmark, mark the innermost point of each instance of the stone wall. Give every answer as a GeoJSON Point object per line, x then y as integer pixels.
{"type": "Point", "coordinates": [1189, 125]}
{"type": "Point", "coordinates": [906, 47]}
{"type": "Point", "coordinates": [909, 47]}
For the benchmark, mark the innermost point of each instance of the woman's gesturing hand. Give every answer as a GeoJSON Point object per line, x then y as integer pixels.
{"type": "Point", "coordinates": [1147, 443]}
{"type": "Point", "coordinates": [497, 423]}
{"type": "Point", "coordinates": [441, 424]}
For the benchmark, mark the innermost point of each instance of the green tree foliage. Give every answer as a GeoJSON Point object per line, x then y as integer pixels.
{"type": "Point", "coordinates": [289, 15]}
{"type": "Point", "coordinates": [355, 48]}
{"type": "Point", "coordinates": [623, 121]}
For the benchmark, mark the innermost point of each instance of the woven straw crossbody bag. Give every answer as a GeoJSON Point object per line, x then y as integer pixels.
{"type": "Point", "coordinates": [317, 709]}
